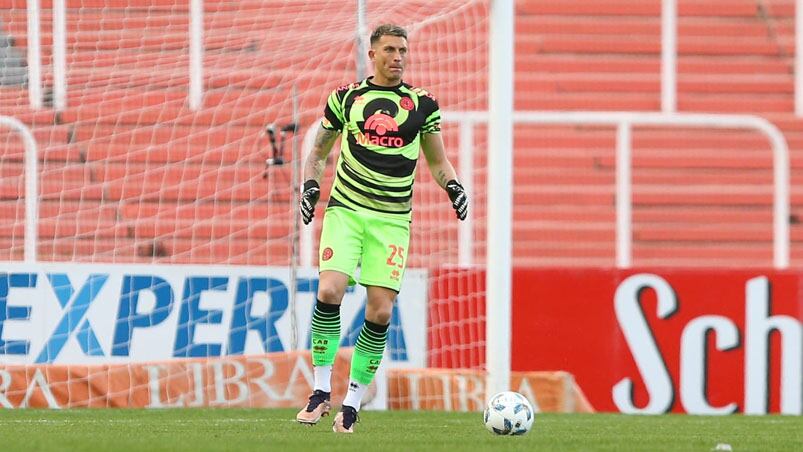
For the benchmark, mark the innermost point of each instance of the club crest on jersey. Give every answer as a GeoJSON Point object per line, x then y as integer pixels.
{"type": "Point", "coordinates": [327, 254]}
{"type": "Point", "coordinates": [406, 103]}
{"type": "Point", "coordinates": [376, 128]}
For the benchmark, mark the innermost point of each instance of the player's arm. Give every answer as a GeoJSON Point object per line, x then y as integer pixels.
{"type": "Point", "coordinates": [435, 153]}
{"type": "Point", "coordinates": [331, 125]}
{"type": "Point", "coordinates": [313, 171]}
{"type": "Point", "coordinates": [316, 162]}
{"type": "Point", "coordinates": [443, 172]}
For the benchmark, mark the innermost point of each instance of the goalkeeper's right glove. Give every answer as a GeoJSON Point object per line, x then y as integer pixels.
{"type": "Point", "coordinates": [458, 197]}
{"type": "Point", "coordinates": [309, 197]}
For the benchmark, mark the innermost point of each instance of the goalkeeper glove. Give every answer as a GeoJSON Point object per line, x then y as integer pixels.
{"type": "Point", "coordinates": [309, 197]}
{"type": "Point", "coordinates": [458, 197]}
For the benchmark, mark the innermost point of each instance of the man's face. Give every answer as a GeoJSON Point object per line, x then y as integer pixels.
{"type": "Point", "coordinates": [389, 55]}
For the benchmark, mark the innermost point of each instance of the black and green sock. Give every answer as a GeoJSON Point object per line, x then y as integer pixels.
{"type": "Point", "coordinates": [368, 352]}
{"type": "Point", "coordinates": [325, 333]}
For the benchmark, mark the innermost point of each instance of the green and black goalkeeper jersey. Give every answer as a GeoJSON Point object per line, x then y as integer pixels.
{"type": "Point", "coordinates": [381, 136]}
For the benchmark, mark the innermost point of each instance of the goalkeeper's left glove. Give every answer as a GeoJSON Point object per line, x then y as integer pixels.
{"type": "Point", "coordinates": [309, 197]}
{"type": "Point", "coordinates": [458, 197]}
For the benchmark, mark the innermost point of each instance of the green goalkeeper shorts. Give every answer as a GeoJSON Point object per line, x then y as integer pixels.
{"type": "Point", "coordinates": [376, 243]}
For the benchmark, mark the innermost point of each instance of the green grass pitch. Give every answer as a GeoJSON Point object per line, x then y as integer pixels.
{"type": "Point", "coordinates": [254, 429]}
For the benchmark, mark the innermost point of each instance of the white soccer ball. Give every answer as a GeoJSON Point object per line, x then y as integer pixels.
{"type": "Point", "coordinates": [508, 413]}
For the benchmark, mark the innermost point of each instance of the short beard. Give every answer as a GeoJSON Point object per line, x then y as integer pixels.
{"type": "Point", "coordinates": [393, 77]}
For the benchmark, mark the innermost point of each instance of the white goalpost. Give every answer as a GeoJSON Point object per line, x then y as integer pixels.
{"type": "Point", "coordinates": [500, 196]}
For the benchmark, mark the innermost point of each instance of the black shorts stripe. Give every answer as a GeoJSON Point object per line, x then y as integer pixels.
{"type": "Point", "coordinates": [334, 202]}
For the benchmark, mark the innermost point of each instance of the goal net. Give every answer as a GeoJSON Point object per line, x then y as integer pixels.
{"type": "Point", "coordinates": [166, 256]}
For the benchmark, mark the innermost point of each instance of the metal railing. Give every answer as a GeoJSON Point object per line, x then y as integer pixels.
{"type": "Point", "coordinates": [624, 121]}
{"type": "Point", "coordinates": [31, 185]}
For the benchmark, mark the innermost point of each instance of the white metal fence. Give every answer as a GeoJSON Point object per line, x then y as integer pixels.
{"type": "Point", "coordinates": [31, 185]}
{"type": "Point", "coordinates": [624, 121]}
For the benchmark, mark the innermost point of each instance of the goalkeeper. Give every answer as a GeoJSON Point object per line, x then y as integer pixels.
{"type": "Point", "coordinates": [384, 122]}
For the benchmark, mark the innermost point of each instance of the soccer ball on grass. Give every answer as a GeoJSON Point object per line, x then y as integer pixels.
{"type": "Point", "coordinates": [508, 413]}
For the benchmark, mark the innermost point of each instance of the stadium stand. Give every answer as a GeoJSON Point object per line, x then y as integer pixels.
{"type": "Point", "coordinates": [701, 197]}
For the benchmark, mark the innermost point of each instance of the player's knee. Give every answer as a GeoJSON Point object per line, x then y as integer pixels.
{"type": "Point", "coordinates": [330, 294]}
{"type": "Point", "coordinates": [382, 317]}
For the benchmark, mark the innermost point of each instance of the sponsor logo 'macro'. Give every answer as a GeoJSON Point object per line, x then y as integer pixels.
{"type": "Point", "coordinates": [376, 128]}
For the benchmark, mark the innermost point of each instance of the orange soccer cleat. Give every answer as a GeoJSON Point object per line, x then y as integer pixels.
{"type": "Point", "coordinates": [317, 407]}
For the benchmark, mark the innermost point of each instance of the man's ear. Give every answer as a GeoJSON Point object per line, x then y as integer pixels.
{"type": "Point", "coordinates": [371, 54]}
